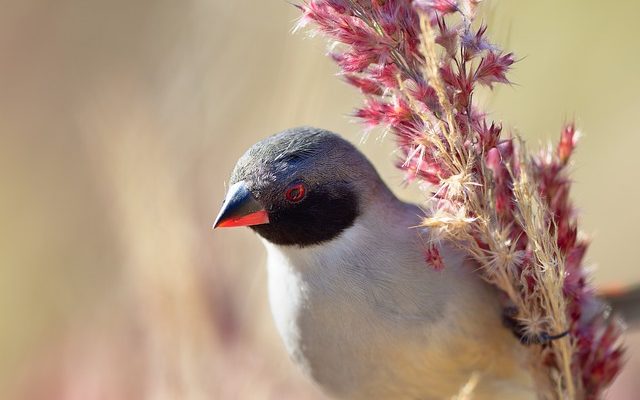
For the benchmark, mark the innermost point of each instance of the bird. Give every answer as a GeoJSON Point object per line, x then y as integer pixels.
{"type": "Point", "coordinates": [356, 304]}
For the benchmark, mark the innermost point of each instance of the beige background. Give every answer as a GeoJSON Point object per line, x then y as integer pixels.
{"type": "Point", "coordinates": [120, 121]}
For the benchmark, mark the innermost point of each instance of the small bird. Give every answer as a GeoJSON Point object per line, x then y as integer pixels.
{"type": "Point", "coordinates": [355, 302]}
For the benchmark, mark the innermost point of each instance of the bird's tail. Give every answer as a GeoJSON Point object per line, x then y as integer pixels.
{"type": "Point", "coordinates": [625, 302]}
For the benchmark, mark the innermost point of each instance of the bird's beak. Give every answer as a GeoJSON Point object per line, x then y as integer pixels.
{"type": "Point", "coordinates": [240, 208]}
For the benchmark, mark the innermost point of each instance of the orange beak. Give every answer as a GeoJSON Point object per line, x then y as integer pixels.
{"type": "Point", "coordinates": [240, 208]}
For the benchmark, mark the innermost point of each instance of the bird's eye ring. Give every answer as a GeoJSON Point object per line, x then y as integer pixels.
{"type": "Point", "coordinates": [296, 192]}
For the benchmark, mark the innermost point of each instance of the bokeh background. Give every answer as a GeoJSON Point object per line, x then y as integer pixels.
{"type": "Point", "coordinates": [120, 121]}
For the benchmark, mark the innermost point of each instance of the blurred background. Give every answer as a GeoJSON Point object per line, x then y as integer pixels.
{"type": "Point", "coordinates": [120, 122]}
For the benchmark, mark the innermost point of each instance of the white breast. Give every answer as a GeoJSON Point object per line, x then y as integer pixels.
{"type": "Point", "coordinates": [366, 317]}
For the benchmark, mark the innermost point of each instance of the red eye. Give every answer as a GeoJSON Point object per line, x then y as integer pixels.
{"type": "Point", "coordinates": [296, 192]}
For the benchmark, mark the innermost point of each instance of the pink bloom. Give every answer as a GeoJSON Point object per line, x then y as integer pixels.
{"type": "Point", "coordinates": [366, 85]}
{"type": "Point", "coordinates": [568, 141]}
{"type": "Point", "coordinates": [475, 43]}
{"type": "Point", "coordinates": [443, 6]}
{"type": "Point", "coordinates": [448, 38]}
{"type": "Point", "coordinates": [433, 258]}
{"type": "Point", "coordinates": [493, 68]}
{"type": "Point", "coordinates": [380, 55]}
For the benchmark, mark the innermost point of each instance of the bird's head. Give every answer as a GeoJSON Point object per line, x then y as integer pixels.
{"type": "Point", "coordinates": [301, 187]}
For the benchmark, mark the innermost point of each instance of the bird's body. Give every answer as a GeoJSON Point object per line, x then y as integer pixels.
{"type": "Point", "coordinates": [356, 303]}
{"type": "Point", "coordinates": [367, 318]}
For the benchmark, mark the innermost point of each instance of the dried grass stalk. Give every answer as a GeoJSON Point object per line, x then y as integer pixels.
{"type": "Point", "coordinates": [418, 64]}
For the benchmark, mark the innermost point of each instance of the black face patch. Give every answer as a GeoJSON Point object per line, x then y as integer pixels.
{"type": "Point", "coordinates": [324, 213]}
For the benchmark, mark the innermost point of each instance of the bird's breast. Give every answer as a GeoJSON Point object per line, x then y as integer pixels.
{"type": "Point", "coordinates": [369, 319]}
{"type": "Point", "coordinates": [339, 330]}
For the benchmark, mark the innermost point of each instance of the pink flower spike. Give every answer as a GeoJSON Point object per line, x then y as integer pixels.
{"type": "Point", "coordinates": [418, 83]}
{"type": "Point", "coordinates": [433, 258]}
{"type": "Point", "coordinates": [367, 86]}
{"type": "Point", "coordinates": [493, 68]}
{"type": "Point", "coordinates": [475, 43]}
{"type": "Point", "coordinates": [568, 141]}
{"type": "Point", "coordinates": [448, 38]}
{"type": "Point", "coordinates": [443, 6]}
